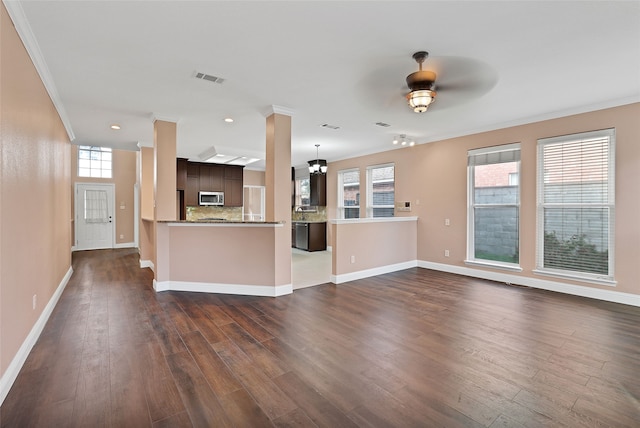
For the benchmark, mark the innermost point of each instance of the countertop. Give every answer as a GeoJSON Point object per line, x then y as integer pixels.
{"type": "Point", "coordinates": [220, 222]}
{"type": "Point", "coordinates": [308, 221]}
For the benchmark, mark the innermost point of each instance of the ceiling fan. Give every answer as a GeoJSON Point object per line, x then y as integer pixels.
{"type": "Point", "coordinates": [454, 80]}
{"type": "Point", "coordinates": [421, 84]}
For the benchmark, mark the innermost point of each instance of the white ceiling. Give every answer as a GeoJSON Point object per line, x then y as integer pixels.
{"type": "Point", "coordinates": [333, 62]}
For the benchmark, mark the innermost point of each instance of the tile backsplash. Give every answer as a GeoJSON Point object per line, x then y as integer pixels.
{"type": "Point", "coordinates": [209, 212]}
{"type": "Point", "coordinates": [315, 214]}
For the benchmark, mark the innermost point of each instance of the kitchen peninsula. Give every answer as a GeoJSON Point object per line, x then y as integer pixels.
{"type": "Point", "coordinates": [212, 256]}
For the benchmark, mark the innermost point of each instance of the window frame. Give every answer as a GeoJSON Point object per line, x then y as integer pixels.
{"type": "Point", "coordinates": [370, 205]}
{"type": "Point", "coordinates": [609, 205]}
{"type": "Point", "coordinates": [100, 152]}
{"type": "Point", "coordinates": [471, 204]}
{"type": "Point", "coordinates": [340, 203]}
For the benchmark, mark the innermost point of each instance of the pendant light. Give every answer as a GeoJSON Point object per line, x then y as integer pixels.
{"type": "Point", "coordinates": [317, 166]}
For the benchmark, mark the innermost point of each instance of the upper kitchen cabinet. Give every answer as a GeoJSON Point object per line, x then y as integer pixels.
{"type": "Point", "coordinates": [193, 184]}
{"type": "Point", "coordinates": [211, 178]}
{"type": "Point", "coordinates": [318, 184]}
{"type": "Point", "coordinates": [233, 186]}
{"type": "Point", "coordinates": [198, 177]}
{"type": "Point", "coordinates": [181, 176]}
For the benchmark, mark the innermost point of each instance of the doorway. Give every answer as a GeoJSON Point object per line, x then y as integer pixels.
{"type": "Point", "coordinates": [94, 216]}
{"type": "Point", "coordinates": [253, 204]}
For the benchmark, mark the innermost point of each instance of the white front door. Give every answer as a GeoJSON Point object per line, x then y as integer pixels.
{"type": "Point", "coordinates": [94, 216]}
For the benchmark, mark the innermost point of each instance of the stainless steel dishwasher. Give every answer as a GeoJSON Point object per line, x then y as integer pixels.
{"type": "Point", "coordinates": [302, 236]}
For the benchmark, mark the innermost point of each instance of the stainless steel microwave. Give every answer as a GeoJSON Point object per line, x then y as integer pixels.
{"type": "Point", "coordinates": [211, 198]}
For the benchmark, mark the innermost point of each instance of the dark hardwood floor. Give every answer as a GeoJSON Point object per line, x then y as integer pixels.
{"type": "Point", "coordinates": [417, 348]}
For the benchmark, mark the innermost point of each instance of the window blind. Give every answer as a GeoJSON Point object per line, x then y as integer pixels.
{"type": "Point", "coordinates": [576, 204]}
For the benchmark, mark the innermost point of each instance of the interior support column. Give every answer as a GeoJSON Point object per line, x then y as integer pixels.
{"type": "Point", "coordinates": [278, 189]}
{"type": "Point", "coordinates": [164, 179]}
{"type": "Point", "coordinates": [164, 186]}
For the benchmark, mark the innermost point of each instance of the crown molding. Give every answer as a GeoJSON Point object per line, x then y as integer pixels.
{"type": "Point", "coordinates": [274, 109]}
{"type": "Point", "coordinates": [155, 117]}
{"type": "Point", "coordinates": [21, 24]}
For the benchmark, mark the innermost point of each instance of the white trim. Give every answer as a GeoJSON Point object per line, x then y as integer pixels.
{"type": "Point", "coordinates": [593, 279]}
{"type": "Point", "coordinates": [126, 245]}
{"type": "Point", "coordinates": [352, 276]}
{"type": "Point", "coordinates": [223, 224]}
{"type": "Point", "coordinates": [207, 287]}
{"type": "Point", "coordinates": [371, 220]}
{"type": "Point", "coordinates": [495, 265]}
{"type": "Point", "coordinates": [147, 264]}
{"type": "Point", "coordinates": [21, 23]}
{"type": "Point", "coordinates": [274, 109]}
{"type": "Point", "coordinates": [10, 375]}
{"type": "Point", "coordinates": [155, 117]}
{"type": "Point", "coordinates": [543, 284]}
{"type": "Point", "coordinates": [329, 248]}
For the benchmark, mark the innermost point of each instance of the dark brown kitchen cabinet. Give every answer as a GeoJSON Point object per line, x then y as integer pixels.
{"type": "Point", "coordinates": [195, 177]}
{"type": "Point", "coordinates": [181, 175]}
{"type": "Point", "coordinates": [233, 183]}
{"type": "Point", "coordinates": [193, 169]}
{"type": "Point", "coordinates": [211, 178]}
{"type": "Point", "coordinates": [232, 172]}
{"type": "Point", "coordinates": [191, 193]}
{"type": "Point", "coordinates": [310, 236]}
{"type": "Point", "coordinates": [318, 185]}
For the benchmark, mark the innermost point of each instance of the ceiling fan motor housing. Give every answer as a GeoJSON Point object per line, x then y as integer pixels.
{"type": "Point", "coordinates": [422, 80]}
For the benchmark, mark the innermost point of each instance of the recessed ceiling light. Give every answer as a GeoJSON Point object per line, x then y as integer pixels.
{"type": "Point", "coordinates": [115, 126]}
{"type": "Point", "coordinates": [228, 119]}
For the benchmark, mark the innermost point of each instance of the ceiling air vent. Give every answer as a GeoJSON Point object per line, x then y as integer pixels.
{"type": "Point", "coordinates": [326, 125]}
{"type": "Point", "coordinates": [384, 125]}
{"type": "Point", "coordinates": [209, 77]}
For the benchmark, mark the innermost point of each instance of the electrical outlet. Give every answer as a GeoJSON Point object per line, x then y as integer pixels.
{"type": "Point", "coordinates": [447, 222]}
{"type": "Point", "coordinates": [353, 259]}
{"type": "Point", "coordinates": [121, 236]}
{"type": "Point", "coordinates": [446, 253]}
{"type": "Point", "coordinates": [35, 301]}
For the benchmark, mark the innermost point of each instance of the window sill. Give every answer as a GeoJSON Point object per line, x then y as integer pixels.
{"type": "Point", "coordinates": [576, 277]}
{"type": "Point", "coordinates": [372, 220]}
{"type": "Point", "coordinates": [494, 265]}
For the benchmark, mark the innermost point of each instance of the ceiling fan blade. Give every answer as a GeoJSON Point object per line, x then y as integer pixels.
{"type": "Point", "coordinates": [460, 80]}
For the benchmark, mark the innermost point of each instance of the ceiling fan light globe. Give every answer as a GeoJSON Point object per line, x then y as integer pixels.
{"type": "Point", "coordinates": [323, 169]}
{"type": "Point", "coordinates": [420, 100]}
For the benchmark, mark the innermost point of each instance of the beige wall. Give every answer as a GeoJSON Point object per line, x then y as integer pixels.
{"type": "Point", "coordinates": [146, 183]}
{"type": "Point", "coordinates": [253, 178]}
{"type": "Point", "coordinates": [124, 179]}
{"type": "Point", "coordinates": [435, 174]}
{"type": "Point", "coordinates": [395, 243]}
{"type": "Point", "coordinates": [35, 183]}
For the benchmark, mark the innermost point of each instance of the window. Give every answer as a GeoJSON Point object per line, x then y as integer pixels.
{"type": "Point", "coordinates": [380, 191]}
{"type": "Point", "coordinates": [349, 193]}
{"type": "Point", "coordinates": [494, 205]}
{"type": "Point", "coordinates": [94, 161]}
{"type": "Point", "coordinates": [303, 192]}
{"type": "Point", "coordinates": [576, 206]}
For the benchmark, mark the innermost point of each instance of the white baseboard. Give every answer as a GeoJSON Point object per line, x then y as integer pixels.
{"type": "Point", "coordinates": [125, 245]}
{"type": "Point", "coordinates": [10, 375]}
{"type": "Point", "coordinates": [147, 264]}
{"type": "Point", "coordinates": [205, 287]}
{"type": "Point", "coordinates": [544, 284]}
{"type": "Point", "coordinates": [352, 276]}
